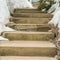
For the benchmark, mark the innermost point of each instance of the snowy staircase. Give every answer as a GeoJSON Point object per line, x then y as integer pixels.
{"type": "Point", "coordinates": [31, 41]}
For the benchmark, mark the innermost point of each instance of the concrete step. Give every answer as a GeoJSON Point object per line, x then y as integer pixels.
{"type": "Point", "coordinates": [31, 36]}
{"type": "Point", "coordinates": [27, 48]}
{"type": "Point", "coordinates": [26, 58]}
{"type": "Point", "coordinates": [34, 15]}
{"type": "Point", "coordinates": [58, 57]}
{"type": "Point", "coordinates": [30, 20]}
{"type": "Point", "coordinates": [27, 11]}
{"type": "Point", "coordinates": [30, 27]}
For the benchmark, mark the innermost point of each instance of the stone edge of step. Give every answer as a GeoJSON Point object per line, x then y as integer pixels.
{"type": "Point", "coordinates": [27, 44]}
{"type": "Point", "coordinates": [26, 57]}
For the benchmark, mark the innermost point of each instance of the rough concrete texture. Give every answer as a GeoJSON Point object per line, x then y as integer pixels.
{"type": "Point", "coordinates": [31, 36]}
{"type": "Point", "coordinates": [27, 48]}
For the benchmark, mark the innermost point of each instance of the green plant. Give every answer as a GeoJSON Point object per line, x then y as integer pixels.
{"type": "Point", "coordinates": [45, 4]}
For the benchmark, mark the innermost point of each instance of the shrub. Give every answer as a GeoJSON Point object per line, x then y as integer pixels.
{"type": "Point", "coordinates": [45, 5]}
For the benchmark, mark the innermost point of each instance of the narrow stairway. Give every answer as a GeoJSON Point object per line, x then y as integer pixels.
{"type": "Point", "coordinates": [32, 38]}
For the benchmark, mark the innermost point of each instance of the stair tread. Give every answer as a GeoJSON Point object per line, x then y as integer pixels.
{"type": "Point", "coordinates": [25, 32]}
{"type": "Point", "coordinates": [29, 24]}
{"type": "Point", "coordinates": [26, 58]}
{"type": "Point", "coordinates": [27, 44]}
{"type": "Point", "coordinates": [29, 18]}
{"type": "Point", "coordinates": [33, 13]}
{"type": "Point", "coordinates": [28, 10]}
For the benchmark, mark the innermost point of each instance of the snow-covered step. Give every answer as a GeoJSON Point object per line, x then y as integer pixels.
{"type": "Point", "coordinates": [30, 27]}
{"type": "Point", "coordinates": [27, 11]}
{"type": "Point", "coordinates": [27, 48]}
{"type": "Point", "coordinates": [30, 20]}
{"type": "Point", "coordinates": [32, 36]}
{"type": "Point", "coordinates": [26, 58]}
{"type": "Point", "coordinates": [34, 15]}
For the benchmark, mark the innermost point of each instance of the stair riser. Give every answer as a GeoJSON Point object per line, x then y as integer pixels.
{"type": "Point", "coordinates": [30, 28]}
{"type": "Point", "coordinates": [36, 15]}
{"type": "Point", "coordinates": [30, 37]}
{"type": "Point", "coordinates": [26, 11]}
{"type": "Point", "coordinates": [31, 20]}
{"type": "Point", "coordinates": [22, 11]}
{"type": "Point", "coordinates": [27, 51]}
